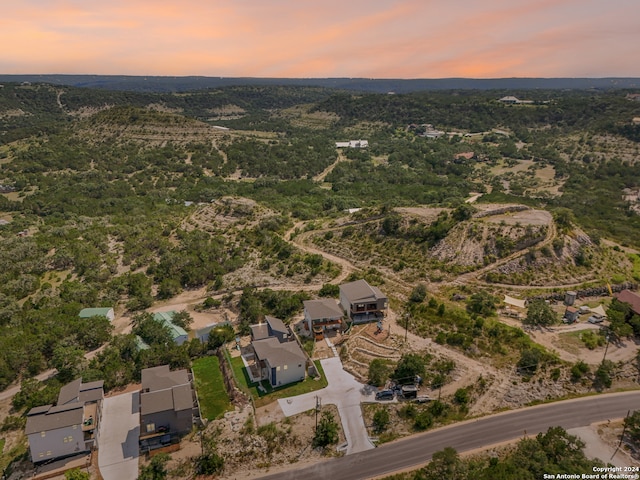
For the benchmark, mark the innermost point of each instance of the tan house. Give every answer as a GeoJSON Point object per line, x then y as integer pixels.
{"type": "Point", "coordinates": [68, 428]}
{"type": "Point", "coordinates": [363, 302]}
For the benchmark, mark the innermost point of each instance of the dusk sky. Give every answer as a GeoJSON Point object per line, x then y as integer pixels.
{"type": "Point", "coordinates": [330, 38]}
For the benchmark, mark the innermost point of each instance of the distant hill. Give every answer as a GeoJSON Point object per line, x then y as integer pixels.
{"type": "Point", "coordinates": [181, 84]}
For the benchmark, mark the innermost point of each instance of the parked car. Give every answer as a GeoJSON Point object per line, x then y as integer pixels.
{"type": "Point", "coordinates": [385, 395]}
{"type": "Point", "coordinates": [595, 319]}
{"type": "Point", "coordinates": [422, 399]}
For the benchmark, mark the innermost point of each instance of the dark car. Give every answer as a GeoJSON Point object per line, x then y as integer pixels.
{"type": "Point", "coordinates": [385, 395]}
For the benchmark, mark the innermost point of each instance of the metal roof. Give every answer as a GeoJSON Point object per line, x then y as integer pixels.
{"type": "Point", "coordinates": [323, 308]}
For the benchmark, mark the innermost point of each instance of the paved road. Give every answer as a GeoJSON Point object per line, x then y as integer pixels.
{"type": "Point", "coordinates": [418, 449]}
{"type": "Point", "coordinates": [118, 440]}
{"type": "Point", "coordinates": [346, 393]}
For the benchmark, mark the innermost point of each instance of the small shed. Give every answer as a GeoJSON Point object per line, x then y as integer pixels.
{"type": "Point", "coordinates": [97, 312]}
{"type": "Point", "coordinates": [571, 314]}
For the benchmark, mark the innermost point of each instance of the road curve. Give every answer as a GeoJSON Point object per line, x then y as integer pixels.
{"type": "Point", "coordinates": [418, 449]}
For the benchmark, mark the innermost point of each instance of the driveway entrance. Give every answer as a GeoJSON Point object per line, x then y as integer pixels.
{"type": "Point", "coordinates": [118, 441]}
{"type": "Point", "coordinates": [346, 393]}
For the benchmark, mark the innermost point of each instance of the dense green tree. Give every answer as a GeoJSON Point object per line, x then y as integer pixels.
{"type": "Point", "coordinates": [482, 303]}
{"type": "Point", "coordinates": [381, 420]}
{"type": "Point", "coordinates": [409, 366]}
{"type": "Point", "coordinates": [379, 371]}
{"type": "Point", "coordinates": [156, 469]}
{"type": "Point", "coordinates": [419, 293]}
{"type": "Point", "coordinates": [632, 423]}
{"type": "Point", "coordinates": [76, 474]}
{"type": "Point", "coordinates": [327, 431]}
{"type": "Point", "coordinates": [220, 335]}
{"type": "Point", "coordinates": [540, 314]}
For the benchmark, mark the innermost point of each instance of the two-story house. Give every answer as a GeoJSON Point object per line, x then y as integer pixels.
{"type": "Point", "coordinates": [168, 406]}
{"type": "Point", "coordinates": [322, 315]}
{"type": "Point", "coordinates": [68, 428]}
{"type": "Point", "coordinates": [275, 355]}
{"type": "Point", "coordinates": [362, 302]}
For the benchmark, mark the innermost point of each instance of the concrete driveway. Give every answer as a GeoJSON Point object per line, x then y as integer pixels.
{"type": "Point", "coordinates": [118, 441]}
{"type": "Point", "coordinates": [346, 393]}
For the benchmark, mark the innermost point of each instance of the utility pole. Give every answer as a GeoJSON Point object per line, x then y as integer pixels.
{"type": "Point", "coordinates": [406, 326]}
{"type": "Point", "coordinates": [606, 346]}
{"type": "Point", "coordinates": [318, 406]}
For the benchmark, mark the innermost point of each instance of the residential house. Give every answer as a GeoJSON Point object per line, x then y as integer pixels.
{"type": "Point", "coordinates": [362, 302]}
{"type": "Point", "coordinates": [275, 355]}
{"type": "Point", "coordinates": [510, 99]}
{"type": "Point", "coordinates": [353, 144]}
{"type": "Point", "coordinates": [68, 428]}
{"type": "Point", "coordinates": [168, 406]}
{"type": "Point", "coordinates": [279, 362]}
{"type": "Point", "coordinates": [272, 327]}
{"type": "Point", "coordinates": [322, 315]}
{"type": "Point", "coordinates": [97, 312]}
{"type": "Point", "coordinates": [178, 333]}
{"type": "Point", "coordinates": [632, 298]}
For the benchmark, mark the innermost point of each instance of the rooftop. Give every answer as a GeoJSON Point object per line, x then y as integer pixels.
{"type": "Point", "coordinates": [278, 353]}
{"type": "Point", "coordinates": [632, 298]}
{"type": "Point", "coordinates": [323, 308]}
{"type": "Point", "coordinates": [361, 291]}
{"type": "Point", "coordinates": [165, 318]}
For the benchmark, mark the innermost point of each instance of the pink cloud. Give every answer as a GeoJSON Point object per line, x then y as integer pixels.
{"type": "Point", "coordinates": [374, 38]}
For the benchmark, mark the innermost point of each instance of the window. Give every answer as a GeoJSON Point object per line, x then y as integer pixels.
{"type": "Point", "coordinates": [43, 434]}
{"type": "Point", "coordinates": [286, 367]}
{"type": "Point", "coordinates": [151, 427]}
{"type": "Point", "coordinates": [278, 368]}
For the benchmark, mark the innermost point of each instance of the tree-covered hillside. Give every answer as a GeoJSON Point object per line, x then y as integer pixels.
{"type": "Point", "coordinates": [100, 187]}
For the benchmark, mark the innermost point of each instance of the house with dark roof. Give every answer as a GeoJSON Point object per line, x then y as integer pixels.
{"type": "Point", "coordinates": [321, 316]}
{"type": "Point", "coordinates": [274, 355]}
{"type": "Point", "coordinates": [363, 302]}
{"type": "Point", "coordinates": [68, 428]}
{"type": "Point", "coordinates": [632, 298]}
{"type": "Point", "coordinates": [272, 327]}
{"type": "Point", "coordinates": [168, 406]}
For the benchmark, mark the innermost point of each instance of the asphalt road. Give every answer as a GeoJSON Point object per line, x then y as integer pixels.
{"type": "Point", "coordinates": [418, 449]}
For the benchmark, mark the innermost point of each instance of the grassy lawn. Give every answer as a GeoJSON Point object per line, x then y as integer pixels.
{"type": "Point", "coordinates": [213, 397]}
{"type": "Point", "coordinates": [2, 441]}
{"type": "Point", "coordinates": [269, 394]}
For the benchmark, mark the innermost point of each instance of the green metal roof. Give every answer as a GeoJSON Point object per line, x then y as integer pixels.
{"type": "Point", "coordinates": [94, 312]}
{"type": "Point", "coordinates": [165, 319]}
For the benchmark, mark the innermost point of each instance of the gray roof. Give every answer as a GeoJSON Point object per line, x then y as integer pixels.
{"type": "Point", "coordinates": [361, 291]}
{"type": "Point", "coordinates": [77, 391]}
{"type": "Point", "coordinates": [323, 308]}
{"type": "Point", "coordinates": [159, 378]}
{"type": "Point", "coordinates": [276, 324]}
{"type": "Point", "coordinates": [259, 331]}
{"type": "Point", "coordinates": [53, 420]}
{"type": "Point", "coordinates": [70, 392]}
{"type": "Point", "coordinates": [68, 411]}
{"type": "Point", "coordinates": [277, 353]}
{"type": "Point", "coordinates": [164, 390]}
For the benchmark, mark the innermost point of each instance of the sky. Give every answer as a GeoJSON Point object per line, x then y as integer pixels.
{"type": "Point", "coordinates": [322, 38]}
